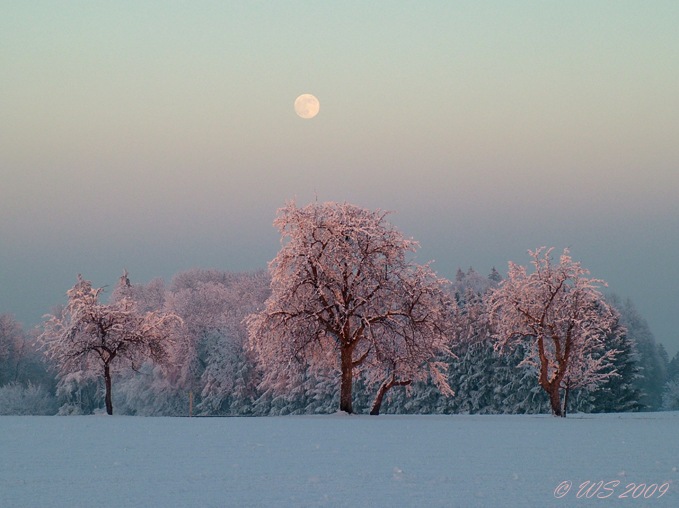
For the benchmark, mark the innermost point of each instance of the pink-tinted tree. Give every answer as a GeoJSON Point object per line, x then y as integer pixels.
{"type": "Point", "coordinates": [559, 315]}
{"type": "Point", "coordinates": [345, 296]}
{"type": "Point", "coordinates": [89, 338]}
{"type": "Point", "coordinates": [212, 346]}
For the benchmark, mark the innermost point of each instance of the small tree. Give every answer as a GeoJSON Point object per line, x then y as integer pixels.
{"type": "Point", "coordinates": [345, 296]}
{"type": "Point", "coordinates": [91, 338]}
{"type": "Point", "coordinates": [563, 320]}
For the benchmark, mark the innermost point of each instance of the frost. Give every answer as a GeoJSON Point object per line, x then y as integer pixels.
{"type": "Point", "coordinates": [345, 297]}
{"type": "Point", "coordinates": [559, 314]}
{"type": "Point", "coordinates": [89, 339]}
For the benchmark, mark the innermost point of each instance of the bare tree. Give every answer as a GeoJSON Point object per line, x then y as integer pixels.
{"type": "Point", "coordinates": [91, 338]}
{"type": "Point", "coordinates": [344, 295]}
{"type": "Point", "coordinates": [561, 317]}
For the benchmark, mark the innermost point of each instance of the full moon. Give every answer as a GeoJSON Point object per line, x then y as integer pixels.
{"type": "Point", "coordinates": [307, 106]}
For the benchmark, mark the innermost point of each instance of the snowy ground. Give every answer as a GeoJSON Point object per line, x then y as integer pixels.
{"type": "Point", "coordinates": [356, 461]}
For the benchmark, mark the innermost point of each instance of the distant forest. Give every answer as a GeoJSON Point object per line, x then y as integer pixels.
{"type": "Point", "coordinates": [212, 372]}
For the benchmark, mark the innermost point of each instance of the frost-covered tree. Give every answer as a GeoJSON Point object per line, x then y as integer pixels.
{"type": "Point", "coordinates": [670, 396]}
{"type": "Point", "coordinates": [564, 318]}
{"type": "Point", "coordinates": [211, 350]}
{"type": "Point", "coordinates": [208, 357]}
{"type": "Point", "coordinates": [201, 303]}
{"type": "Point", "coordinates": [12, 345]}
{"type": "Point", "coordinates": [25, 385]}
{"type": "Point", "coordinates": [494, 276]}
{"type": "Point", "coordinates": [673, 368]}
{"type": "Point", "coordinates": [147, 297]}
{"type": "Point", "coordinates": [345, 296]}
{"type": "Point", "coordinates": [484, 382]}
{"type": "Point", "coordinates": [230, 377]}
{"type": "Point", "coordinates": [16, 399]}
{"type": "Point", "coordinates": [620, 393]}
{"type": "Point", "coordinates": [21, 360]}
{"type": "Point", "coordinates": [651, 357]}
{"type": "Point", "coordinates": [89, 339]}
{"type": "Point", "coordinates": [471, 281]}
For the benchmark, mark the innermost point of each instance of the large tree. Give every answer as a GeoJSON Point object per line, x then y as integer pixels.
{"type": "Point", "coordinates": [562, 320]}
{"type": "Point", "coordinates": [91, 338]}
{"type": "Point", "coordinates": [345, 295]}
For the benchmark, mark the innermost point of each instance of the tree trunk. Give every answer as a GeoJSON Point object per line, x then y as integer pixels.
{"type": "Point", "coordinates": [107, 379]}
{"type": "Point", "coordinates": [386, 386]}
{"type": "Point", "coordinates": [565, 398]}
{"type": "Point", "coordinates": [377, 404]}
{"type": "Point", "coordinates": [555, 400]}
{"type": "Point", "coordinates": [347, 379]}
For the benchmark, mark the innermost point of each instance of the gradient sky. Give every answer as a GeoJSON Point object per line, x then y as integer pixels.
{"type": "Point", "coordinates": [159, 136]}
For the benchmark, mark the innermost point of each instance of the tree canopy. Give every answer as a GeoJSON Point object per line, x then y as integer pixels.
{"type": "Point", "coordinates": [88, 337]}
{"type": "Point", "coordinates": [344, 295]}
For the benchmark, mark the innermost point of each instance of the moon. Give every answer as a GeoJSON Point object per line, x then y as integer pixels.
{"type": "Point", "coordinates": [307, 106]}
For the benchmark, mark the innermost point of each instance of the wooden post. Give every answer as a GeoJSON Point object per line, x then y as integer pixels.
{"type": "Point", "coordinates": [190, 404]}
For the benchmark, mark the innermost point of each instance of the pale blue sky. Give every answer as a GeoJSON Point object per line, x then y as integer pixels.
{"type": "Point", "coordinates": [158, 136]}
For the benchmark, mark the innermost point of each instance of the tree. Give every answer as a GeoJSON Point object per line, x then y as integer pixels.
{"type": "Point", "coordinates": [563, 317]}
{"type": "Point", "coordinates": [211, 351]}
{"type": "Point", "coordinates": [89, 338]}
{"type": "Point", "coordinates": [670, 396]}
{"type": "Point", "coordinates": [651, 357]}
{"type": "Point", "coordinates": [345, 296]}
{"type": "Point", "coordinates": [620, 393]}
{"type": "Point", "coordinates": [673, 368]}
{"type": "Point", "coordinates": [12, 346]}
{"type": "Point", "coordinates": [471, 281]}
{"type": "Point", "coordinates": [494, 275]}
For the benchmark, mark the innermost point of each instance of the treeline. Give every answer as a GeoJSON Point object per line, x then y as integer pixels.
{"type": "Point", "coordinates": [212, 372]}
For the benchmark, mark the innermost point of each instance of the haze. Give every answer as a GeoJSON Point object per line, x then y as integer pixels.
{"type": "Point", "coordinates": [160, 136]}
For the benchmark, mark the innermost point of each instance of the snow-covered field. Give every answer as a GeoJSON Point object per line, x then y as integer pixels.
{"type": "Point", "coordinates": [338, 460]}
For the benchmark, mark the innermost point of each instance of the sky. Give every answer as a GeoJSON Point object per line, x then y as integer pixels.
{"type": "Point", "coordinates": [160, 136]}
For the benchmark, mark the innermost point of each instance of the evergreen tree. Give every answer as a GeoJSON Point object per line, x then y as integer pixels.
{"type": "Point", "coordinates": [484, 382]}
{"type": "Point", "coordinates": [671, 396]}
{"type": "Point", "coordinates": [673, 368]}
{"type": "Point", "coordinates": [495, 276]}
{"type": "Point", "coordinates": [651, 361]}
{"type": "Point", "coordinates": [459, 275]}
{"type": "Point", "coordinates": [620, 393]}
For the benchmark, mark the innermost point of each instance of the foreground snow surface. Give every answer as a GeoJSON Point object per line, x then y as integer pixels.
{"type": "Point", "coordinates": [336, 460]}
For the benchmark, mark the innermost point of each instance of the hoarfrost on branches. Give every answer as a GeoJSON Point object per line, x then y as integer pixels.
{"type": "Point", "coordinates": [88, 339]}
{"type": "Point", "coordinates": [670, 397]}
{"type": "Point", "coordinates": [211, 350]}
{"type": "Point", "coordinates": [344, 296]}
{"type": "Point", "coordinates": [562, 319]}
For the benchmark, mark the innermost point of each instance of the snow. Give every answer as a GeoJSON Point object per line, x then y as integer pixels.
{"type": "Point", "coordinates": [335, 460]}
